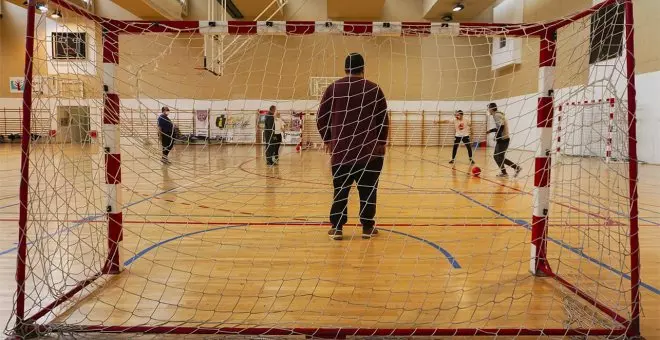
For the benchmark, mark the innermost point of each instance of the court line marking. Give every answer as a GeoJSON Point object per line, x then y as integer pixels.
{"type": "Point", "coordinates": [577, 251]}
{"type": "Point", "coordinates": [241, 167]}
{"type": "Point", "coordinates": [13, 217]}
{"type": "Point", "coordinates": [522, 223]}
{"type": "Point", "coordinates": [619, 213]}
{"type": "Point", "coordinates": [86, 219]}
{"type": "Point", "coordinates": [304, 222]}
{"type": "Point", "coordinates": [8, 205]}
{"type": "Point", "coordinates": [450, 258]}
{"type": "Point", "coordinates": [163, 242]}
{"type": "Point", "coordinates": [499, 183]}
{"type": "Point", "coordinates": [96, 217]}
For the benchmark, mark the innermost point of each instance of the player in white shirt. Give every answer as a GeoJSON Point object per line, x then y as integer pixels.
{"type": "Point", "coordinates": [278, 133]}
{"type": "Point", "coordinates": [462, 126]}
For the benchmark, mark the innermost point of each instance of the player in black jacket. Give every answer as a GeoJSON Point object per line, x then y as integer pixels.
{"type": "Point", "coordinates": [269, 135]}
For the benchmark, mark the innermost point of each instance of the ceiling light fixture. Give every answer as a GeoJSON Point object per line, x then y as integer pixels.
{"type": "Point", "coordinates": [447, 17]}
{"type": "Point", "coordinates": [458, 7]}
{"type": "Point", "coordinates": [56, 15]}
{"type": "Point", "coordinates": [42, 8]}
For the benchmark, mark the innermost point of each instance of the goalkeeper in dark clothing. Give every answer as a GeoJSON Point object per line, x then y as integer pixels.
{"type": "Point", "coordinates": [502, 140]}
{"type": "Point", "coordinates": [352, 120]}
{"type": "Point", "coordinates": [166, 132]}
{"type": "Point", "coordinates": [269, 136]}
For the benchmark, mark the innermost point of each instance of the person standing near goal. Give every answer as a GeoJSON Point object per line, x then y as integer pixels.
{"type": "Point", "coordinates": [166, 132]}
{"type": "Point", "coordinates": [278, 136]}
{"type": "Point", "coordinates": [502, 140]}
{"type": "Point", "coordinates": [269, 135]}
{"type": "Point", "coordinates": [352, 120]}
{"type": "Point", "coordinates": [462, 126]}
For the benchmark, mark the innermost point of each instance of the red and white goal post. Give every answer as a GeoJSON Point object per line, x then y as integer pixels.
{"type": "Point", "coordinates": [37, 304]}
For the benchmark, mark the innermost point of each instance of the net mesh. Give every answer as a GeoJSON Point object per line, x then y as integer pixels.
{"type": "Point", "coordinates": [216, 238]}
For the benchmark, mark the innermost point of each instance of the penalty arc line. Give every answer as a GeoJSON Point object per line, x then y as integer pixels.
{"type": "Point", "coordinates": [450, 258]}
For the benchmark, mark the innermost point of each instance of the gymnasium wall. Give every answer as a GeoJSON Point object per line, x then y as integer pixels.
{"type": "Point", "coordinates": [265, 71]}
{"type": "Point", "coordinates": [523, 78]}
{"type": "Point", "coordinates": [516, 88]}
{"type": "Point", "coordinates": [12, 46]}
{"type": "Point", "coordinates": [506, 83]}
{"type": "Point", "coordinates": [277, 67]}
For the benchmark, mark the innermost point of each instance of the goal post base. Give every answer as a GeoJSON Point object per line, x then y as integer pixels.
{"type": "Point", "coordinates": [341, 333]}
{"type": "Point", "coordinates": [25, 329]}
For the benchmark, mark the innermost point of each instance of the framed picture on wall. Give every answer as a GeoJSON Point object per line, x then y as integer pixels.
{"type": "Point", "coordinates": [69, 45]}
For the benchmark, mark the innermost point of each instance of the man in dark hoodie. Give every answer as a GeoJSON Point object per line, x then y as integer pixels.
{"type": "Point", "coordinates": [269, 135]}
{"type": "Point", "coordinates": [353, 122]}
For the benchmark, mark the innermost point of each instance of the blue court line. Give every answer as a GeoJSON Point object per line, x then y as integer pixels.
{"type": "Point", "coordinates": [577, 251]}
{"type": "Point", "coordinates": [452, 260]}
{"type": "Point", "coordinates": [156, 245]}
{"type": "Point", "coordinates": [86, 219]}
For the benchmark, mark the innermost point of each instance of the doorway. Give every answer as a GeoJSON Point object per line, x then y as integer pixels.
{"type": "Point", "coordinates": [73, 124]}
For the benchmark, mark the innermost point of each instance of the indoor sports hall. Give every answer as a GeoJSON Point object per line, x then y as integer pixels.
{"type": "Point", "coordinates": [330, 169]}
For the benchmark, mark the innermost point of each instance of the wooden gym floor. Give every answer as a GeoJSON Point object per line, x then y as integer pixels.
{"type": "Point", "coordinates": [218, 239]}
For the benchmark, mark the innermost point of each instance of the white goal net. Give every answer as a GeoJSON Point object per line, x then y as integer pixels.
{"type": "Point", "coordinates": [160, 201]}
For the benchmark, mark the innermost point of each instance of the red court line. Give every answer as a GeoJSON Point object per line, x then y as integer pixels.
{"type": "Point", "coordinates": [295, 222]}
{"type": "Point", "coordinates": [301, 222]}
